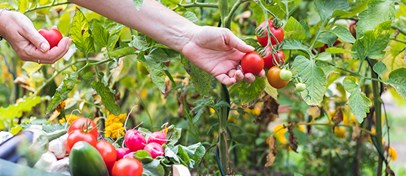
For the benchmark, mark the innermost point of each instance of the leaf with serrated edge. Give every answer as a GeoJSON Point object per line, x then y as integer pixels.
{"type": "Point", "coordinates": [107, 97]}
{"type": "Point", "coordinates": [314, 78]}
{"type": "Point", "coordinates": [359, 103]}
{"type": "Point", "coordinates": [397, 79]}
{"type": "Point", "coordinates": [247, 92]}
{"type": "Point", "coordinates": [80, 33]}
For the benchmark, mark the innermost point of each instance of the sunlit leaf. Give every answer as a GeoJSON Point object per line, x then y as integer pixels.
{"type": "Point", "coordinates": [397, 79]}
{"type": "Point", "coordinates": [107, 97]}
{"type": "Point", "coordinates": [359, 103]}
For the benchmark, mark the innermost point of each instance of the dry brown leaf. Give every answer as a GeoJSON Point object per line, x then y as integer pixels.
{"type": "Point", "coordinates": [270, 158]}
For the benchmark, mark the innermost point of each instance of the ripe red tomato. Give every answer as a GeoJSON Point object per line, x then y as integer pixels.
{"type": "Point", "coordinates": [85, 125]}
{"type": "Point", "coordinates": [53, 36]}
{"type": "Point", "coordinates": [274, 78]}
{"type": "Point", "coordinates": [127, 166]}
{"type": "Point", "coordinates": [262, 37]}
{"type": "Point", "coordinates": [78, 135]}
{"type": "Point", "coordinates": [108, 152]}
{"type": "Point", "coordinates": [270, 58]}
{"type": "Point", "coordinates": [252, 62]}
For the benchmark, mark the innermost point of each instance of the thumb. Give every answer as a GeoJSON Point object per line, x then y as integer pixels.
{"type": "Point", "coordinates": [238, 44]}
{"type": "Point", "coordinates": [37, 39]}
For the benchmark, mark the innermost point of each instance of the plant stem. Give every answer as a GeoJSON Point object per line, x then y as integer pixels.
{"type": "Point", "coordinates": [223, 121]}
{"type": "Point", "coordinates": [318, 33]}
{"type": "Point", "coordinates": [378, 120]}
{"type": "Point", "coordinates": [227, 19]}
{"type": "Point", "coordinates": [199, 4]}
{"type": "Point", "coordinates": [46, 6]}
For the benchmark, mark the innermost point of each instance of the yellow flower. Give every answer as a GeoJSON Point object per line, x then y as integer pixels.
{"type": "Point", "coordinates": [70, 118]}
{"type": "Point", "coordinates": [114, 130]}
{"type": "Point", "coordinates": [279, 132]}
{"type": "Point", "coordinates": [111, 118]}
{"type": "Point", "coordinates": [256, 111]}
{"type": "Point", "coordinates": [392, 153]}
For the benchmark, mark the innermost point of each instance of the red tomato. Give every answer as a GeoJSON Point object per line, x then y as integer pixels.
{"type": "Point", "coordinates": [252, 62]}
{"type": "Point", "coordinates": [85, 125]}
{"type": "Point", "coordinates": [53, 36]}
{"type": "Point", "coordinates": [127, 166]}
{"type": "Point", "coordinates": [271, 59]}
{"type": "Point", "coordinates": [108, 152]}
{"type": "Point", "coordinates": [263, 36]}
{"type": "Point", "coordinates": [78, 135]}
{"type": "Point", "coordinates": [274, 78]}
{"type": "Point", "coordinates": [353, 28]}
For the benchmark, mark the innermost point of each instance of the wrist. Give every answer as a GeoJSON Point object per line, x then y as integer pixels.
{"type": "Point", "coordinates": [186, 35]}
{"type": "Point", "coordinates": [3, 20]}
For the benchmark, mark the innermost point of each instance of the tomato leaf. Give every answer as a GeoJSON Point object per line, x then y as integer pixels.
{"type": "Point", "coordinates": [379, 68]}
{"type": "Point", "coordinates": [370, 19]}
{"type": "Point", "coordinates": [335, 50]}
{"type": "Point", "coordinates": [294, 29]}
{"type": "Point", "coordinates": [247, 92]}
{"type": "Point", "coordinates": [107, 97]}
{"type": "Point", "coordinates": [373, 43]}
{"type": "Point", "coordinates": [139, 42]}
{"type": "Point", "coordinates": [397, 79]}
{"type": "Point", "coordinates": [80, 33]}
{"type": "Point", "coordinates": [310, 74]}
{"type": "Point", "coordinates": [359, 103]}
{"type": "Point", "coordinates": [202, 81]}
{"type": "Point", "coordinates": [191, 16]}
{"type": "Point", "coordinates": [63, 90]}
{"type": "Point", "coordinates": [326, 8]}
{"type": "Point", "coordinates": [343, 34]}
{"type": "Point", "coordinates": [291, 44]}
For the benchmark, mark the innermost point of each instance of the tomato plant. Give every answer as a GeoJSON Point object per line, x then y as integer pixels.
{"type": "Point", "coordinates": [273, 59]}
{"type": "Point", "coordinates": [252, 63]}
{"type": "Point", "coordinates": [53, 36]}
{"type": "Point", "coordinates": [277, 35]}
{"type": "Point", "coordinates": [274, 78]}
{"type": "Point", "coordinates": [127, 166]}
{"type": "Point", "coordinates": [285, 75]}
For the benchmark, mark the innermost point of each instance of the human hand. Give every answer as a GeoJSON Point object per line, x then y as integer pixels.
{"type": "Point", "coordinates": [29, 45]}
{"type": "Point", "coordinates": [219, 52]}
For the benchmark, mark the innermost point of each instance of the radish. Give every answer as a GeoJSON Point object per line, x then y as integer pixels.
{"type": "Point", "coordinates": [154, 149]}
{"type": "Point", "coordinates": [121, 152]}
{"type": "Point", "coordinates": [157, 137]}
{"type": "Point", "coordinates": [134, 140]}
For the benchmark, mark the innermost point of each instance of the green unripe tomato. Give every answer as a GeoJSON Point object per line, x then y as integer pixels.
{"type": "Point", "coordinates": [286, 75]}
{"type": "Point", "coordinates": [300, 87]}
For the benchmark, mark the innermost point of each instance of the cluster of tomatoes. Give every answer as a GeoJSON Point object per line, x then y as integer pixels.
{"type": "Point", "coordinates": [272, 60]}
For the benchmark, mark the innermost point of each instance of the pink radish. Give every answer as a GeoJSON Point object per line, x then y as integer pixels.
{"type": "Point", "coordinates": [121, 152]}
{"type": "Point", "coordinates": [154, 149]}
{"type": "Point", "coordinates": [134, 140]}
{"type": "Point", "coordinates": [157, 137]}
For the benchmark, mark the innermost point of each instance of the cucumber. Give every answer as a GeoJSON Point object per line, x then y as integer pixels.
{"type": "Point", "coordinates": [84, 159]}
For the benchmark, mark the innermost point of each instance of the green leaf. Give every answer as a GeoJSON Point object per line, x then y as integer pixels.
{"type": "Point", "coordinates": [80, 33]}
{"type": "Point", "coordinates": [397, 79]}
{"type": "Point", "coordinates": [191, 16]}
{"type": "Point", "coordinates": [100, 34]}
{"type": "Point", "coordinates": [139, 42]}
{"type": "Point", "coordinates": [379, 68]}
{"type": "Point", "coordinates": [121, 52]}
{"type": "Point", "coordinates": [326, 8]}
{"type": "Point", "coordinates": [343, 34]}
{"type": "Point", "coordinates": [16, 110]}
{"type": "Point", "coordinates": [190, 155]}
{"type": "Point", "coordinates": [31, 67]}
{"type": "Point", "coordinates": [63, 90]}
{"type": "Point", "coordinates": [201, 107]}
{"type": "Point", "coordinates": [173, 135]}
{"type": "Point", "coordinates": [294, 30]}
{"type": "Point", "coordinates": [16, 129]}
{"type": "Point", "coordinates": [107, 97]}
{"type": "Point", "coordinates": [153, 168]}
{"type": "Point", "coordinates": [373, 43]}
{"type": "Point", "coordinates": [335, 50]}
{"type": "Point", "coordinates": [138, 4]}
{"type": "Point", "coordinates": [22, 5]}
{"type": "Point", "coordinates": [143, 156]}
{"type": "Point", "coordinates": [327, 37]}
{"type": "Point", "coordinates": [202, 80]}
{"type": "Point", "coordinates": [247, 92]}
{"type": "Point", "coordinates": [378, 12]}
{"type": "Point", "coordinates": [291, 44]}
{"type": "Point", "coordinates": [359, 103]}
{"type": "Point", "coordinates": [310, 74]}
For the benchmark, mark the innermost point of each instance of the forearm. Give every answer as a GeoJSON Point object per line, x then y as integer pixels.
{"type": "Point", "coordinates": [152, 19]}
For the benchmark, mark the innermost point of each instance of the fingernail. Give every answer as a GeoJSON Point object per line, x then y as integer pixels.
{"type": "Point", "coordinates": [44, 47]}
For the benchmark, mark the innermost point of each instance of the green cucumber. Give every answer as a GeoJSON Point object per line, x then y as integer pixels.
{"type": "Point", "coordinates": [85, 160]}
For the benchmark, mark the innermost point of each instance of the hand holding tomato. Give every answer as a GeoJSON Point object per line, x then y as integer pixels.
{"type": "Point", "coordinates": [27, 42]}
{"type": "Point", "coordinates": [53, 36]}
{"type": "Point", "coordinates": [219, 52]}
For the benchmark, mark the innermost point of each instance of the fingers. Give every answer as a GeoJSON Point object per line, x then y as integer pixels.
{"type": "Point", "coordinates": [51, 55]}
{"type": "Point", "coordinates": [32, 35]}
{"type": "Point", "coordinates": [225, 79]}
{"type": "Point", "coordinates": [238, 44]}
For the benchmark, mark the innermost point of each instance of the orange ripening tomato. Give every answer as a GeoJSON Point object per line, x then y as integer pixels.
{"type": "Point", "coordinates": [274, 78]}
